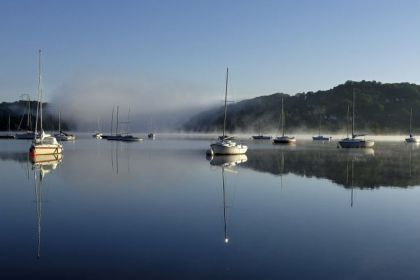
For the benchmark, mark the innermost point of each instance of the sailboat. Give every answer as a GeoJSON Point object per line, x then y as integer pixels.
{"type": "Point", "coordinates": [283, 139]}
{"type": "Point", "coordinates": [61, 135]}
{"type": "Point", "coordinates": [320, 137]}
{"type": "Point", "coordinates": [44, 144]}
{"type": "Point", "coordinates": [355, 142]}
{"type": "Point", "coordinates": [411, 138]}
{"type": "Point", "coordinates": [98, 133]}
{"type": "Point", "coordinates": [126, 137]}
{"type": "Point", "coordinates": [151, 135]}
{"type": "Point", "coordinates": [225, 144]}
{"type": "Point", "coordinates": [106, 136]}
{"type": "Point", "coordinates": [29, 134]}
{"type": "Point", "coordinates": [261, 136]}
{"type": "Point", "coordinates": [9, 135]}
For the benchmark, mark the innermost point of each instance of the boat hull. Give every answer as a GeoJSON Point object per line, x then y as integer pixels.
{"type": "Point", "coordinates": [228, 150]}
{"type": "Point", "coordinates": [65, 137]}
{"type": "Point", "coordinates": [285, 140]}
{"type": "Point", "coordinates": [47, 159]}
{"type": "Point", "coordinates": [412, 140]}
{"type": "Point", "coordinates": [321, 138]}
{"type": "Point", "coordinates": [124, 138]}
{"type": "Point", "coordinates": [261, 137]}
{"type": "Point", "coordinates": [348, 144]}
{"type": "Point", "coordinates": [45, 149]}
{"type": "Point", "coordinates": [25, 136]}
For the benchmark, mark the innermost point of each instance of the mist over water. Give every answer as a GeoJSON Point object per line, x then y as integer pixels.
{"type": "Point", "coordinates": [154, 102]}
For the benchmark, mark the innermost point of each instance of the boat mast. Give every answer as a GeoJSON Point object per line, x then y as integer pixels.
{"type": "Point", "coordinates": [38, 107]}
{"type": "Point", "coordinates": [282, 116]}
{"type": "Point", "coordinates": [352, 119]}
{"type": "Point", "coordinates": [319, 129]}
{"type": "Point", "coordinates": [411, 117]}
{"type": "Point", "coordinates": [116, 129]}
{"type": "Point", "coordinates": [112, 120]}
{"type": "Point", "coordinates": [40, 91]}
{"type": "Point", "coordinates": [128, 121]}
{"type": "Point", "coordinates": [10, 132]}
{"type": "Point", "coordinates": [348, 119]}
{"type": "Point", "coordinates": [59, 122]}
{"type": "Point", "coordinates": [224, 120]}
{"type": "Point", "coordinates": [28, 124]}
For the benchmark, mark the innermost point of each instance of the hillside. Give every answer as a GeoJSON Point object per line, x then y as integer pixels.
{"type": "Point", "coordinates": [380, 108]}
{"type": "Point", "coordinates": [18, 112]}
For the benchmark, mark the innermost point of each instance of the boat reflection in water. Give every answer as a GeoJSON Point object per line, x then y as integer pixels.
{"type": "Point", "coordinates": [226, 162]}
{"type": "Point", "coordinates": [42, 165]}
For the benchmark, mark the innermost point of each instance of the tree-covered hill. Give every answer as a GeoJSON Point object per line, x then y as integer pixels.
{"type": "Point", "coordinates": [18, 112]}
{"type": "Point", "coordinates": [380, 108]}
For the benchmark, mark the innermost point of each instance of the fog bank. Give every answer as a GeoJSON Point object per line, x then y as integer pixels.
{"type": "Point", "coordinates": [154, 103]}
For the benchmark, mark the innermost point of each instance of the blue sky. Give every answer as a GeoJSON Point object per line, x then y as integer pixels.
{"type": "Point", "coordinates": [270, 46]}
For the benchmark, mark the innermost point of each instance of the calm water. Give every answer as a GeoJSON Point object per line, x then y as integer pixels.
{"type": "Point", "coordinates": [159, 210]}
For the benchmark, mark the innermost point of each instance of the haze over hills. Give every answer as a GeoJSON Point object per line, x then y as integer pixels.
{"type": "Point", "coordinates": [18, 112]}
{"type": "Point", "coordinates": [380, 108]}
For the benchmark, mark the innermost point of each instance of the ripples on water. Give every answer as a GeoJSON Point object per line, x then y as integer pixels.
{"type": "Point", "coordinates": [160, 209]}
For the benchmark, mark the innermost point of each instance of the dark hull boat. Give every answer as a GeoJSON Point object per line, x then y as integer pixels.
{"type": "Point", "coordinates": [284, 139]}
{"type": "Point", "coordinates": [25, 136]}
{"type": "Point", "coordinates": [261, 137]}
{"type": "Point", "coordinates": [321, 138]}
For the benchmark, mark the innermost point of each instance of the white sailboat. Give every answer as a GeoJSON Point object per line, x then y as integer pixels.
{"type": "Point", "coordinates": [151, 135]}
{"type": "Point", "coordinates": [61, 135]}
{"type": "Point", "coordinates": [355, 142]}
{"type": "Point", "coordinates": [98, 133]}
{"type": "Point", "coordinates": [225, 144]}
{"type": "Point", "coordinates": [411, 138]}
{"type": "Point", "coordinates": [283, 139]}
{"type": "Point", "coordinates": [44, 144]}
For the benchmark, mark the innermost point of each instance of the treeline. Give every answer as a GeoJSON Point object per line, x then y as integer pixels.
{"type": "Point", "coordinates": [380, 108]}
{"type": "Point", "coordinates": [19, 120]}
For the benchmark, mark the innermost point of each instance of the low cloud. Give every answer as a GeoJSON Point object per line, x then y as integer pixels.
{"type": "Point", "coordinates": [84, 99]}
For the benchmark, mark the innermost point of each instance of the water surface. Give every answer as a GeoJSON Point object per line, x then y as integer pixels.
{"type": "Point", "coordinates": [161, 210]}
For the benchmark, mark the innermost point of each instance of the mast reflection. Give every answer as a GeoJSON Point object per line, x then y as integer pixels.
{"type": "Point", "coordinates": [41, 166]}
{"type": "Point", "coordinates": [226, 163]}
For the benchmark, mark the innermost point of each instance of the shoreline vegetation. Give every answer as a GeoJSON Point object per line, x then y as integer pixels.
{"type": "Point", "coordinates": [19, 121]}
{"type": "Point", "coordinates": [383, 109]}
